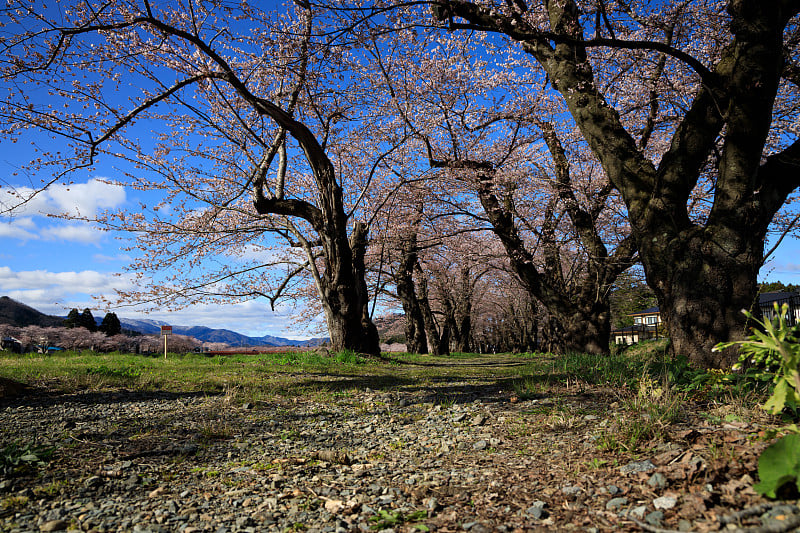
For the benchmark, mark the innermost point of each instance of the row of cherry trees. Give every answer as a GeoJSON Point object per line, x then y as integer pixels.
{"type": "Point", "coordinates": [40, 339]}
{"type": "Point", "coordinates": [493, 167]}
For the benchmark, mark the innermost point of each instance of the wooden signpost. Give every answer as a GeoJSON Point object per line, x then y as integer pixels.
{"type": "Point", "coordinates": [166, 331]}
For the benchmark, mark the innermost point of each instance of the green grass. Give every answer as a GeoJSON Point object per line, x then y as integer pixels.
{"type": "Point", "coordinates": [252, 378]}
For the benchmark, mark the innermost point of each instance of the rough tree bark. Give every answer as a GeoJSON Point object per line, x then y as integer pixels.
{"type": "Point", "coordinates": [404, 280]}
{"type": "Point", "coordinates": [437, 345]}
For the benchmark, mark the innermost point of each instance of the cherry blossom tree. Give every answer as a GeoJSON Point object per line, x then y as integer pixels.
{"type": "Point", "coordinates": [257, 135]}
{"type": "Point", "coordinates": [472, 118]}
{"type": "Point", "coordinates": [715, 84]}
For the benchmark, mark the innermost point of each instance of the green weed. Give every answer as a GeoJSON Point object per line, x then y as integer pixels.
{"type": "Point", "coordinates": [16, 458]}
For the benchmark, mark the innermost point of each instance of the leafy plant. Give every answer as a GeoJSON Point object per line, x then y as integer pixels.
{"type": "Point", "coordinates": [16, 458]}
{"type": "Point", "coordinates": [777, 346]}
{"type": "Point", "coordinates": [779, 467]}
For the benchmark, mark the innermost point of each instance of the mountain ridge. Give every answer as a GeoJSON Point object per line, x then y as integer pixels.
{"type": "Point", "coordinates": [19, 314]}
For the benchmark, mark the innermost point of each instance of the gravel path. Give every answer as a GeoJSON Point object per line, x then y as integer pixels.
{"type": "Point", "coordinates": [412, 459]}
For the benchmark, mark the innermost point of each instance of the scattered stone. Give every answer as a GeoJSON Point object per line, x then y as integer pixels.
{"type": "Point", "coordinates": [94, 481]}
{"type": "Point", "coordinates": [479, 420]}
{"type": "Point", "coordinates": [537, 511]}
{"type": "Point", "coordinates": [53, 525]}
{"type": "Point", "coordinates": [432, 505]}
{"type": "Point", "coordinates": [654, 518]}
{"type": "Point", "coordinates": [263, 471]}
{"type": "Point", "coordinates": [637, 466]}
{"type": "Point", "coordinates": [638, 512]}
{"type": "Point", "coordinates": [665, 502]}
{"type": "Point", "coordinates": [480, 445]}
{"type": "Point", "coordinates": [657, 481]}
{"type": "Point", "coordinates": [615, 503]}
{"type": "Point", "coordinates": [684, 525]}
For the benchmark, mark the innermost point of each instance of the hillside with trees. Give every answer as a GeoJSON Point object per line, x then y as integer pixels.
{"type": "Point", "coordinates": [17, 314]}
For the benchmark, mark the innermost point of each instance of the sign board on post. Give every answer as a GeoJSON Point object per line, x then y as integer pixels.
{"type": "Point", "coordinates": [166, 331]}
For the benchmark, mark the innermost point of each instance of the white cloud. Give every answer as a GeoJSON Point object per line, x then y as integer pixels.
{"type": "Point", "coordinates": [77, 199]}
{"type": "Point", "coordinates": [57, 292]}
{"type": "Point", "coordinates": [83, 233]}
{"type": "Point", "coordinates": [60, 283]}
{"type": "Point", "coordinates": [102, 258]}
{"type": "Point", "coordinates": [19, 228]}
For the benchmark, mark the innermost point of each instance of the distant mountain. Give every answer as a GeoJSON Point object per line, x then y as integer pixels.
{"type": "Point", "coordinates": [20, 315]}
{"type": "Point", "coordinates": [205, 334]}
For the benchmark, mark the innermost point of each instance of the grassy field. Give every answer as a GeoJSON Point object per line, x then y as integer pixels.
{"type": "Point", "coordinates": [310, 373]}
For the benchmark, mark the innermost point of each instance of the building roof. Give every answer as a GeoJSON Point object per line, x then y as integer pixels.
{"type": "Point", "coordinates": [648, 311]}
{"type": "Point", "coordinates": [769, 297]}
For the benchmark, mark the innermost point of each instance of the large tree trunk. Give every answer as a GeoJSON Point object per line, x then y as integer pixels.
{"type": "Point", "coordinates": [587, 330]}
{"type": "Point", "coordinates": [342, 281]}
{"type": "Point", "coordinates": [404, 280]}
{"type": "Point", "coordinates": [347, 298]}
{"type": "Point", "coordinates": [463, 313]}
{"type": "Point", "coordinates": [437, 345]}
{"type": "Point", "coordinates": [583, 312]}
{"type": "Point", "coordinates": [702, 287]}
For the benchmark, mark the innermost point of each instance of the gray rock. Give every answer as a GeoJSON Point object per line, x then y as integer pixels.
{"type": "Point", "coordinates": [53, 525]}
{"type": "Point", "coordinates": [654, 518]}
{"type": "Point", "coordinates": [480, 445]}
{"type": "Point", "coordinates": [432, 505]}
{"type": "Point", "coordinates": [615, 503]}
{"type": "Point", "coordinates": [637, 466]}
{"type": "Point", "coordinates": [537, 510]}
{"type": "Point", "coordinates": [479, 420]}
{"type": "Point", "coordinates": [92, 482]}
{"type": "Point", "coordinates": [638, 512]}
{"type": "Point", "coordinates": [571, 491]}
{"type": "Point", "coordinates": [781, 510]}
{"type": "Point", "coordinates": [665, 502]}
{"type": "Point", "coordinates": [657, 481]}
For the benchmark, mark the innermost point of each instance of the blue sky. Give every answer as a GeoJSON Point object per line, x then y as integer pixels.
{"type": "Point", "coordinates": [54, 264]}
